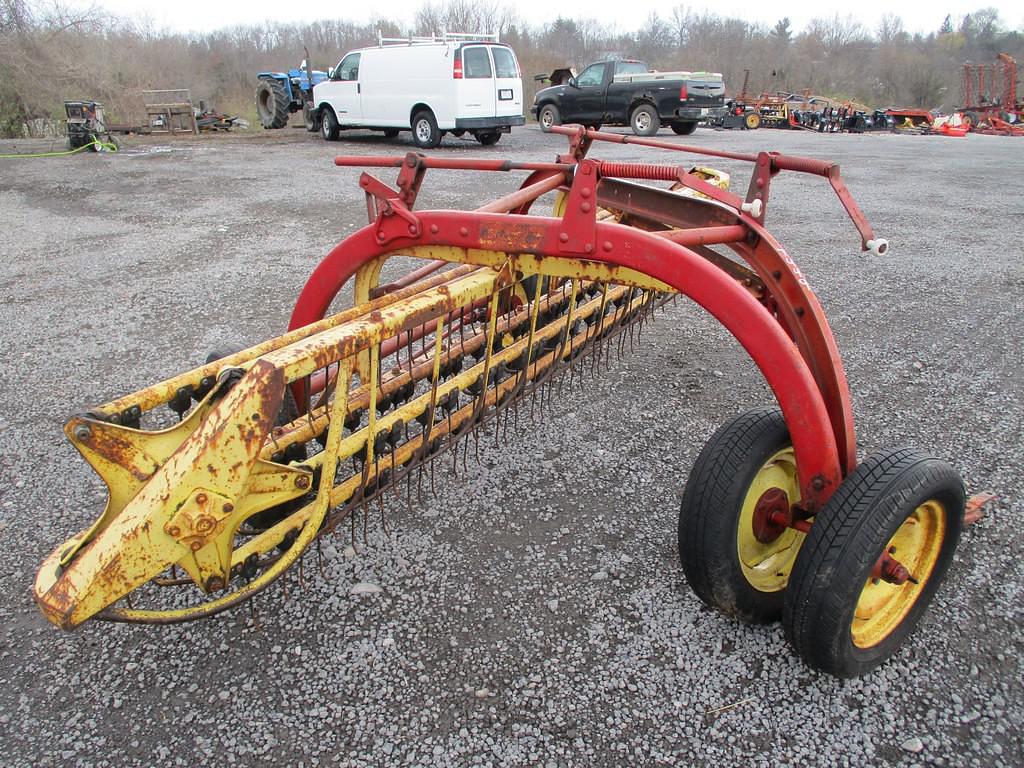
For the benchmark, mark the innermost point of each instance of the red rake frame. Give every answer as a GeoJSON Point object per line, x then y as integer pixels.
{"type": "Point", "coordinates": [766, 305]}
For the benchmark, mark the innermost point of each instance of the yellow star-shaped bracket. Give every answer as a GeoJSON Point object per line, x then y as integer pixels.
{"type": "Point", "coordinates": [176, 496]}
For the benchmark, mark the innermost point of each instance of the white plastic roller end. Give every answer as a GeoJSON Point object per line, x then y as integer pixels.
{"type": "Point", "coordinates": [754, 208]}
{"type": "Point", "coordinates": [878, 247]}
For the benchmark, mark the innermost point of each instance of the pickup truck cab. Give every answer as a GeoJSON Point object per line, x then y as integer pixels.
{"type": "Point", "coordinates": [628, 93]}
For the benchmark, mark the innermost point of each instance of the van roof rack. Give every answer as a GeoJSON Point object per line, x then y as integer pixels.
{"type": "Point", "coordinates": [444, 37]}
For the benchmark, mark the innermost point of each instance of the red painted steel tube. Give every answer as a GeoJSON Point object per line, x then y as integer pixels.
{"type": "Point", "coordinates": [447, 163]}
{"type": "Point", "coordinates": [514, 200]}
{"type": "Point", "coordinates": [621, 138]}
{"type": "Point", "coordinates": [747, 320]}
{"type": "Point", "coordinates": [706, 235]}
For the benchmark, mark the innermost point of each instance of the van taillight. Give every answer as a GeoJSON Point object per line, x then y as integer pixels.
{"type": "Point", "coordinates": [683, 95]}
{"type": "Point", "coordinates": [457, 66]}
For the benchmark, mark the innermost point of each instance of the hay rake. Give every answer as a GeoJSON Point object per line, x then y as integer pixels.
{"type": "Point", "coordinates": [280, 443]}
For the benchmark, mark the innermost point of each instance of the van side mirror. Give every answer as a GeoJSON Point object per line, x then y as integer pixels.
{"type": "Point", "coordinates": [572, 82]}
{"type": "Point", "coordinates": [330, 73]}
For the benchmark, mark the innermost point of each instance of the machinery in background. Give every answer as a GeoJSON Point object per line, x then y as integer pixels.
{"type": "Point", "coordinates": [86, 125]}
{"type": "Point", "coordinates": [279, 94]}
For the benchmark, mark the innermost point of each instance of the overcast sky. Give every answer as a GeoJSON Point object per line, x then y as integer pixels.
{"type": "Point", "coordinates": [204, 15]}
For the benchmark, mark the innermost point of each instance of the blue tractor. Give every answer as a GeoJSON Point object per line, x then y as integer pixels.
{"type": "Point", "coordinates": [279, 94]}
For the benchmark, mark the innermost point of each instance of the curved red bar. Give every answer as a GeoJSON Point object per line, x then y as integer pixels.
{"type": "Point", "coordinates": [764, 339]}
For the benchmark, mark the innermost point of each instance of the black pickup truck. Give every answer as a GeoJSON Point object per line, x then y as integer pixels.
{"type": "Point", "coordinates": [628, 93]}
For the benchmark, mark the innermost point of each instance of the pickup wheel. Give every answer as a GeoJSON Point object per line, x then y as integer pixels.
{"type": "Point", "coordinates": [548, 117]}
{"type": "Point", "coordinates": [684, 127]}
{"type": "Point", "coordinates": [425, 133]}
{"type": "Point", "coordinates": [328, 124]}
{"type": "Point", "coordinates": [644, 120]}
{"type": "Point", "coordinates": [488, 138]}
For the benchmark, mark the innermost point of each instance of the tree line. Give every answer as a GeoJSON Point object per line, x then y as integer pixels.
{"type": "Point", "coordinates": [49, 53]}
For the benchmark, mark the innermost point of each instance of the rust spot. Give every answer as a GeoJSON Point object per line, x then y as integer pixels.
{"type": "Point", "coordinates": [511, 237]}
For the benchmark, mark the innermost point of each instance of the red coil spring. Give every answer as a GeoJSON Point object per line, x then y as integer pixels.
{"type": "Point", "coordinates": [640, 171]}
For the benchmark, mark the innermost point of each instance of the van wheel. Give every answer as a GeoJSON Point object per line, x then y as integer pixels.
{"type": "Point", "coordinates": [488, 138]}
{"type": "Point", "coordinates": [548, 117]}
{"type": "Point", "coordinates": [328, 124]}
{"type": "Point", "coordinates": [424, 130]}
{"type": "Point", "coordinates": [644, 120]}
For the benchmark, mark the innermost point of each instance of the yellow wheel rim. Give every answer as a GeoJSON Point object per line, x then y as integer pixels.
{"type": "Point", "coordinates": [882, 606]}
{"type": "Point", "coordinates": [766, 567]}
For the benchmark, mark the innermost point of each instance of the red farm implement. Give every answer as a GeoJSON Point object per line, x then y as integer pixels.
{"type": "Point", "coordinates": [220, 478]}
{"type": "Point", "coordinates": [991, 104]}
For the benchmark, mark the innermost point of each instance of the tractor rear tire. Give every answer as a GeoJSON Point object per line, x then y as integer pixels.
{"type": "Point", "coordinates": [752, 121]}
{"type": "Point", "coordinates": [972, 120]}
{"type": "Point", "coordinates": [272, 103]}
{"type": "Point", "coordinates": [684, 127]}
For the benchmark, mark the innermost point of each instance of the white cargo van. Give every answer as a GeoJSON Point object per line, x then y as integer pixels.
{"type": "Point", "coordinates": [456, 83]}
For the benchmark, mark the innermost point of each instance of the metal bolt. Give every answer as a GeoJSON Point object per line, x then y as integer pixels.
{"type": "Point", "coordinates": [82, 432]}
{"type": "Point", "coordinates": [302, 481]}
{"type": "Point", "coordinates": [585, 207]}
{"type": "Point", "coordinates": [585, 192]}
{"type": "Point", "coordinates": [196, 546]}
{"type": "Point", "coordinates": [588, 247]}
{"type": "Point", "coordinates": [412, 229]}
{"type": "Point", "coordinates": [200, 498]}
{"type": "Point", "coordinates": [463, 231]}
{"type": "Point", "coordinates": [607, 245]}
{"type": "Point", "coordinates": [229, 507]}
{"type": "Point", "coordinates": [174, 531]}
{"type": "Point", "coordinates": [434, 229]}
{"type": "Point", "coordinates": [563, 237]}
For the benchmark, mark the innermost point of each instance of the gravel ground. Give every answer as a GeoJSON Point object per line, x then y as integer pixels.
{"type": "Point", "coordinates": [534, 612]}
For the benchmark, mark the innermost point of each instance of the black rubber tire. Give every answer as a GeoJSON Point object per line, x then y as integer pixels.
{"type": "Point", "coordinates": [644, 120]}
{"type": "Point", "coordinates": [844, 543]}
{"type": "Point", "coordinates": [311, 117]}
{"type": "Point", "coordinates": [548, 116]}
{"type": "Point", "coordinates": [684, 127]}
{"type": "Point", "coordinates": [391, 133]}
{"type": "Point", "coordinates": [489, 138]}
{"type": "Point", "coordinates": [272, 103]}
{"type": "Point", "coordinates": [328, 124]}
{"type": "Point", "coordinates": [425, 133]}
{"type": "Point", "coordinates": [973, 120]}
{"type": "Point", "coordinates": [709, 515]}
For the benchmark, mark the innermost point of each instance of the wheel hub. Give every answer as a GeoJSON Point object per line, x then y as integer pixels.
{"type": "Point", "coordinates": [772, 515]}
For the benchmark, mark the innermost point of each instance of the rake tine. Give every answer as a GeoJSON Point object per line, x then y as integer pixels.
{"type": "Point", "coordinates": [383, 521]}
{"type": "Point", "coordinates": [319, 556]}
{"type": "Point", "coordinates": [254, 614]}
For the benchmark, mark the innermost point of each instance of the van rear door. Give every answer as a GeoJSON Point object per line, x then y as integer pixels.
{"type": "Point", "coordinates": [508, 82]}
{"type": "Point", "coordinates": [477, 95]}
